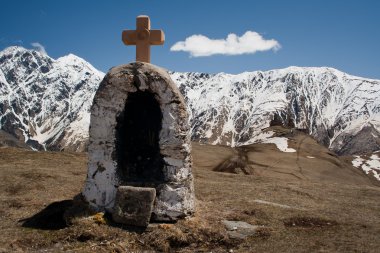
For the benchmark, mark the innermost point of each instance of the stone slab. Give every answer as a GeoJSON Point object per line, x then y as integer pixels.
{"type": "Point", "coordinates": [133, 205]}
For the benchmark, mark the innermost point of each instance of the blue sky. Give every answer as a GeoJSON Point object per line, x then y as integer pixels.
{"type": "Point", "coordinates": [343, 34]}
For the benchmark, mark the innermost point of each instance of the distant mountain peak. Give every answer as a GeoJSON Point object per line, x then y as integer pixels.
{"type": "Point", "coordinates": [13, 49]}
{"type": "Point", "coordinates": [19, 50]}
{"type": "Point", "coordinates": [71, 59]}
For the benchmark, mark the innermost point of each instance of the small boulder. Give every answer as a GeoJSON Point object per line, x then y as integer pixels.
{"type": "Point", "coordinates": [133, 205]}
{"type": "Point", "coordinates": [239, 229]}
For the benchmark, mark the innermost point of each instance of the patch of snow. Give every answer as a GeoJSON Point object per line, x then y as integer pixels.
{"type": "Point", "coordinates": [358, 161]}
{"type": "Point", "coordinates": [267, 137]}
{"type": "Point", "coordinates": [311, 157]}
{"type": "Point", "coordinates": [281, 143]}
{"type": "Point", "coordinates": [261, 137]}
{"type": "Point", "coordinates": [370, 165]}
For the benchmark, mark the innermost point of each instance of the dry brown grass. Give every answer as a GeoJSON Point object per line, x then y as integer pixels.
{"type": "Point", "coordinates": [328, 215]}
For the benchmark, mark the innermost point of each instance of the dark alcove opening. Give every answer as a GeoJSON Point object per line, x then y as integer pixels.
{"type": "Point", "coordinates": [137, 141]}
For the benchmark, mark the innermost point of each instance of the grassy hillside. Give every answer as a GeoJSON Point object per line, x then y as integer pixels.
{"type": "Point", "coordinates": [301, 204]}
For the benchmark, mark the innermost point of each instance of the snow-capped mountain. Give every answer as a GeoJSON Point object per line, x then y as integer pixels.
{"type": "Point", "coordinates": [341, 111]}
{"type": "Point", "coordinates": [46, 102]}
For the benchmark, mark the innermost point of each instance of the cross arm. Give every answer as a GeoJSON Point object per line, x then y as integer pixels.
{"type": "Point", "coordinates": [129, 37]}
{"type": "Point", "coordinates": [157, 37]}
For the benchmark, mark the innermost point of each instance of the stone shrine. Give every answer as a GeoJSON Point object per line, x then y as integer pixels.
{"type": "Point", "coordinates": [140, 138]}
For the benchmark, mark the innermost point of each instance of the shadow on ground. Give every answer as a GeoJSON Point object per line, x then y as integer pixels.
{"type": "Point", "coordinates": [58, 215]}
{"type": "Point", "coordinates": [49, 218]}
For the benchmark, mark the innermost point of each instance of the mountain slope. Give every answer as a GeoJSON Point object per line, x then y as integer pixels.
{"type": "Point", "coordinates": [334, 107]}
{"type": "Point", "coordinates": [45, 102]}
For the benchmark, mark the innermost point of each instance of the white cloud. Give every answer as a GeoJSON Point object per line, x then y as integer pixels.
{"type": "Point", "coordinates": [40, 48]}
{"type": "Point", "coordinates": [249, 43]}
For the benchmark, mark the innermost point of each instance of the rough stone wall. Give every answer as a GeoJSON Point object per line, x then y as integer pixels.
{"type": "Point", "coordinates": [175, 197]}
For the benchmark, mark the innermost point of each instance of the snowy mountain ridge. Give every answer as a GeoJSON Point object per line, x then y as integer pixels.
{"type": "Point", "coordinates": [46, 102]}
{"type": "Point", "coordinates": [332, 106]}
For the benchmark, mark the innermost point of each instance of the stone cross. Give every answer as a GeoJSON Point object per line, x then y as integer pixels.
{"type": "Point", "coordinates": [143, 37]}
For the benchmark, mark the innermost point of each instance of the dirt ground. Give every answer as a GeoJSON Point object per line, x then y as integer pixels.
{"type": "Point", "coordinates": [301, 204]}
